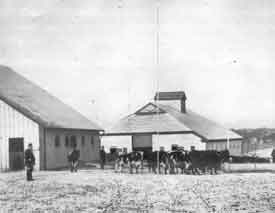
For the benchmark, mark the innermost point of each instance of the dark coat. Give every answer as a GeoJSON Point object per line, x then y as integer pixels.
{"type": "Point", "coordinates": [29, 158]}
{"type": "Point", "coordinates": [102, 155]}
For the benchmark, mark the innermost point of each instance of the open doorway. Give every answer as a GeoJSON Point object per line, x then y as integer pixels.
{"type": "Point", "coordinates": [16, 153]}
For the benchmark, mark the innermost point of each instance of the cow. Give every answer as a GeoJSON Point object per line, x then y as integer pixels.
{"type": "Point", "coordinates": [158, 160]}
{"type": "Point", "coordinates": [73, 159]}
{"type": "Point", "coordinates": [179, 161]}
{"type": "Point", "coordinates": [120, 162]}
{"type": "Point", "coordinates": [133, 160]}
{"type": "Point", "coordinates": [208, 159]}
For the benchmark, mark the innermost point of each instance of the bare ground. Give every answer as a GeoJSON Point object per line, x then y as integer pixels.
{"type": "Point", "coordinates": [106, 191]}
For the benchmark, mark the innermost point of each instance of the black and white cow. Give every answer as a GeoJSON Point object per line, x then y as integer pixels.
{"type": "Point", "coordinates": [133, 160]}
{"type": "Point", "coordinates": [158, 160]}
{"type": "Point", "coordinates": [179, 161]}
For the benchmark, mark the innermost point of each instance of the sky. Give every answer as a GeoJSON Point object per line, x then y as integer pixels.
{"type": "Point", "coordinates": [100, 56]}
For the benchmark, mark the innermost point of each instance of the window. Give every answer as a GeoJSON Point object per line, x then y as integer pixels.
{"type": "Point", "coordinates": [57, 141]}
{"type": "Point", "coordinates": [83, 140]}
{"type": "Point", "coordinates": [73, 141]}
{"type": "Point", "coordinates": [92, 140]}
{"type": "Point", "coordinates": [67, 141]}
{"type": "Point", "coordinates": [149, 109]}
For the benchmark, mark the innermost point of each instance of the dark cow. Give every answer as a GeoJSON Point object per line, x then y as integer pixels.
{"type": "Point", "coordinates": [207, 160]}
{"type": "Point", "coordinates": [179, 161]}
{"type": "Point", "coordinates": [73, 158]}
{"type": "Point", "coordinates": [158, 160]}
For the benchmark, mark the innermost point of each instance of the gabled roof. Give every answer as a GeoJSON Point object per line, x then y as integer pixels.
{"type": "Point", "coordinates": [172, 121]}
{"type": "Point", "coordinates": [205, 128]}
{"type": "Point", "coordinates": [38, 104]}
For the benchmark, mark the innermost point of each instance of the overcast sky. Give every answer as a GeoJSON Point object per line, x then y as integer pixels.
{"type": "Point", "coordinates": [100, 56]}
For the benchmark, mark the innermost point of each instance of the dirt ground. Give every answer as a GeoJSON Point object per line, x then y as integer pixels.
{"type": "Point", "coordinates": [106, 191]}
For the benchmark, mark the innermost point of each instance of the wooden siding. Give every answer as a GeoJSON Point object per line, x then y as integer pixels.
{"type": "Point", "coordinates": [56, 156]}
{"type": "Point", "coordinates": [14, 124]}
{"type": "Point", "coordinates": [235, 146]}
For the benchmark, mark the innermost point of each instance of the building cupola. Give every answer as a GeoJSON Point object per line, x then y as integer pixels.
{"type": "Point", "coordinates": [176, 99]}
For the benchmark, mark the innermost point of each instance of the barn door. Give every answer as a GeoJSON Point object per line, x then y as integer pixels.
{"type": "Point", "coordinates": [142, 143]}
{"type": "Point", "coordinates": [16, 153]}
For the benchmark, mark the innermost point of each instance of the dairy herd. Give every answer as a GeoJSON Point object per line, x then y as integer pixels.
{"type": "Point", "coordinates": [174, 162]}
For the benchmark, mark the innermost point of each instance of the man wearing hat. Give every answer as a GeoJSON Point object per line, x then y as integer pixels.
{"type": "Point", "coordinates": [102, 157]}
{"type": "Point", "coordinates": [29, 162]}
{"type": "Point", "coordinates": [273, 155]}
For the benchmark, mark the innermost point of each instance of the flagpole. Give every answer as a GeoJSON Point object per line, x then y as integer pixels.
{"type": "Point", "coordinates": [157, 77]}
{"type": "Point", "coordinates": [227, 144]}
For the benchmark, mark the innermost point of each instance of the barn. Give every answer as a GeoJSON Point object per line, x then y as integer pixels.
{"type": "Point", "coordinates": [29, 114]}
{"type": "Point", "coordinates": [166, 121]}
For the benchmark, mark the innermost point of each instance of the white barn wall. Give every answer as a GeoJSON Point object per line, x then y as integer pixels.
{"type": "Point", "coordinates": [14, 124]}
{"type": "Point", "coordinates": [166, 141]}
{"type": "Point", "coordinates": [118, 141]}
{"type": "Point", "coordinates": [185, 140]}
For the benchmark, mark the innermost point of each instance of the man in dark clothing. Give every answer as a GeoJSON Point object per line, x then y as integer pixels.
{"type": "Point", "coordinates": [273, 155]}
{"type": "Point", "coordinates": [102, 157]}
{"type": "Point", "coordinates": [29, 162]}
{"type": "Point", "coordinates": [73, 158]}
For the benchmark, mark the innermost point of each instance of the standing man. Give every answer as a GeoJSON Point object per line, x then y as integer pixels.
{"type": "Point", "coordinates": [273, 155]}
{"type": "Point", "coordinates": [29, 162]}
{"type": "Point", "coordinates": [102, 157]}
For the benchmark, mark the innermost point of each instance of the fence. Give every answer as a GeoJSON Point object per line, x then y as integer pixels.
{"type": "Point", "coordinates": [248, 167]}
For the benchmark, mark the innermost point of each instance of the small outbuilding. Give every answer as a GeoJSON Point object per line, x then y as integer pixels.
{"type": "Point", "coordinates": [29, 114]}
{"type": "Point", "coordinates": [166, 122]}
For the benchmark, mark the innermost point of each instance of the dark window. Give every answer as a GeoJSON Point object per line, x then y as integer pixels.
{"type": "Point", "coordinates": [73, 141]}
{"type": "Point", "coordinates": [83, 140]}
{"type": "Point", "coordinates": [67, 141]}
{"type": "Point", "coordinates": [57, 141]}
{"type": "Point", "coordinates": [92, 140]}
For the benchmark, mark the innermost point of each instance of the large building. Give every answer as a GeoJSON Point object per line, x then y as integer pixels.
{"type": "Point", "coordinates": [166, 121]}
{"type": "Point", "coordinates": [29, 114]}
